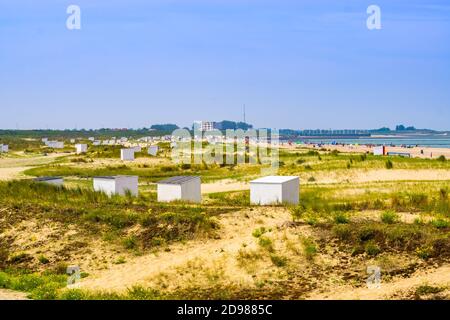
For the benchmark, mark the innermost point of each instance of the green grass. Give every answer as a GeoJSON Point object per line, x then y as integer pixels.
{"type": "Point", "coordinates": [94, 212]}
{"type": "Point", "coordinates": [389, 217]}
{"type": "Point", "coordinates": [43, 286]}
{"type": "Point", "coordinates": [309, 248]}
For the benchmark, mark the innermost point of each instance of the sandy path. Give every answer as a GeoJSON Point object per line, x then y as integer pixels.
{"type": "Point", "coordinates": [13, 168]}
{"type": "Point", "coordinates": [12, 295]}
{"type": "Point", "coordinates": [437, 277]}
{"type": "Point", "coordinates": [224, 185]}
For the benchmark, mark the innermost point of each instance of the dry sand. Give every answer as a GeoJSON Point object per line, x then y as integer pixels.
{"type": "Point", "coordinates": [235, 231]}
{"type": "Point", "coordinates": [224, 186]}
{"type": "Point", "coordinates": [12, 295]}
{"type": "Point", "coordinates": [13, 168]}
{"type": "Point", "coordinates": [438, 277]}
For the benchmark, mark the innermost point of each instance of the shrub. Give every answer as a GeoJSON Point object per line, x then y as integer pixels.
{"type": "Point", "coordinates": [367, 233]}
{"type": "Point", "coordinates": [341, 218]}
{"type": "Point", "coordinates": [343, 232]}
{"type": "Point", "coordinates": [389, 217]}
{"type": "Point", "coordinates": [389, 164]}
{"type": "Point", "coordinates": [266, 243]}
{"type": "Point", "coordinates": [424, 252]}
{"type": "Point", "coordinates": [441, 158]}
{"type": "Point", "coordinates": [440, 223]}
{"type": "Point", "coordinates": [42, 259]}
{"type": "Point", "coordinates": [47, 291]}
{"type": "Point", "coordinates": [130, 242]}
{"type": "Point", "coordinates": [311, 179]}
{"type": "Point", "coordinates": [443, 194]}
{"type": "Point", "coordinates": [309, 248]}
{"type": "Point", "coordinates": [426, 290]}
{"type": "Point", "coordinates": [334, 152]}
{"type": "Point", "coordinates": [259, 232]}
{"type": "Point", "coordinates": [418, 200]}
{"type": "Point", "coordinates": [296, 212]}
{"type": "Point", "coordinates": [372, 248]}
{"type": "Point", "coordinates": [278, 261]}
{"type": "Point", "coordinates": [246, 256]}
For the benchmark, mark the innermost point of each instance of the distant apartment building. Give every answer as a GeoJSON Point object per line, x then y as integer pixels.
{"type": "Point", "coordinates": [204, 125]}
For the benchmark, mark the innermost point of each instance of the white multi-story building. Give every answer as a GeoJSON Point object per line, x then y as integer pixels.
{"type": "Point", "coordinates": [204, 125]}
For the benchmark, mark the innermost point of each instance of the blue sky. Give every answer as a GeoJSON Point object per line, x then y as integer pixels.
{"type": "Point", "coordinates": [294, 64]}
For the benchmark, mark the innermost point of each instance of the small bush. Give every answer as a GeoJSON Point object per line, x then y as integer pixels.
{"type": "Point", "coordinates": [441, 158]}
{"type": "Point", "coordinates": [309, 248]}
{"type": "Point", "coordinates": [440, 223]}
{"type": "Point", "coordinates": [266, 243]}
{"type": "Point", "coordinates": [389, 217]}
{"type": "Point", "coordinates": [372, 249]}
{"type": "Point", "coordinates": [426, 289]}
{"type": "Point", "coordinates": [343, 232]}
{"type": "Point", "coordinates": [278, 261]}
{"type": "Point", "coordinates": [42, 259]}
{"type": "Point", "coordinates": [443, 194]}
{"type": "Point", "coordinates": [130, 242]}
{"type": "Point", "coordinates": [389, 164]}
{"type": "Point", "coordinates": [341, 218]}
{"type": "Point", "coordinates": [424, 252]}
{"type": "Point", "coordinates": [259, 232]}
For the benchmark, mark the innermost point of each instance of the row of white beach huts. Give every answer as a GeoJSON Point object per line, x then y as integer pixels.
{"type": "Point", "coordinates": [263, 191]}
{"type": "Point", "coordinates": [4, 148]}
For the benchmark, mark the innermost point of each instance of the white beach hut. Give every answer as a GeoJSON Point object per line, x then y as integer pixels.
{"type": "Point", "coordinates": [4, 148]}
{"type": "Point", "coordinates": [153, 150]}
{"type": "Point", "coordinates": [55, 144]}
{"type": "Point", "coordinates": [186, 188]}
{"type": "Point", "coordinates": [119, 185]}
{"type": "Point", "coordinates": [56, 181]}
{"type": "Point", "coordinates": [379, 151]}
{"type": "Point", "coordinates": [275, 190]}
{"type": "Point", "coordinates": [81, 148]}
{"type": "Point", "coordinates": [127, 154]}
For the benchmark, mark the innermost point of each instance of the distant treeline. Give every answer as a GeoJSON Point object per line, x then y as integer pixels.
{"type": "Point", "coordinates": [96, 133]}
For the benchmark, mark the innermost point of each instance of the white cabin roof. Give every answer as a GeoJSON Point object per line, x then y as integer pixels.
{"type": "Point", "coordinates": [274, 179]}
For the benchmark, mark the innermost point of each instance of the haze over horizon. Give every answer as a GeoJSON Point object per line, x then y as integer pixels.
{"type": "Point", "coordinates": [294, 65]}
